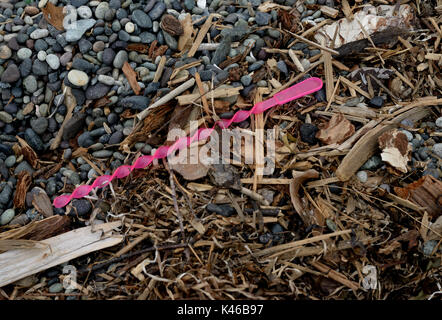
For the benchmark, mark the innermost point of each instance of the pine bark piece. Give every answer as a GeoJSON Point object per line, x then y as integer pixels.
{"type": "Point", "coordinates": [28, 153]}
{"type": "Point", "coordinates": [337, 130]}
{"type": "Point", "coordinates": [20, 263]}
{"type": "Point", "coordinates": [41, 202]}
{"type": "Point", "coordinates": [199, 38]}
{"type": "Point", "coordinates": [425, 192]}
{"type": "Point", "coordinates": [23, 183]}
{"type": "Point", "coordinates": [131, 76]}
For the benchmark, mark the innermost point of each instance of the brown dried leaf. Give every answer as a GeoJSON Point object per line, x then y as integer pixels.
{"type": "Point", "coordinates": [23, 183]}
{"type": "Point", "coordinates": [131, 76]}
{"type": "Point", "coordinates": [337, 130]}
{"type": "Point", "coordinates": [190, 171]}
{"type": "Point", "coordinates": [54, 15]}
{"type": "Point", "coordinates": [171, 25]}
{"type": "Point", "coordinates": [295, 184]}
{"type": "Point", "coordinates": [395, 149]}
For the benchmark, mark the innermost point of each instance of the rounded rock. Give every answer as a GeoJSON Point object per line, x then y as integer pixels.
{"type": "Point", "coordinates": [5, 52]}
{"type": "Point", "coordinates": [78, 78]}
{"type": "Point", "coordinates": [53, 61]}
{"type": "Point", "coordinates": [7, 216]}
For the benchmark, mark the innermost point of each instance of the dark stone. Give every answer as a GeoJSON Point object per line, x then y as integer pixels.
{"type": "Point", "coordinates": [33, 140]}
{"type": "Point", "coordinates": [11, 74]}
{"type": "Point", "coordinates": [135, 102]}
{"type": "Point", "coordinates": [83, 65]}
{"type": "Point", "coordinates": [222, 209]}
{"type": "Point", "coordinates": [73, 125]}
{"type": "Point", "coordinates": [97, 91]}
{"type": "Point", "coordinates": [40, 68]}
{"type": "Point", "coordinates": [308, 132]}
{"type": "Point", "coordinates": [108, 56]}
{"type": "Point", "coordinates": [116, 137]}
{"type": "Point", "coordinates": [82, 207]}
{"type": "Point", "coordinates": [376, 102]}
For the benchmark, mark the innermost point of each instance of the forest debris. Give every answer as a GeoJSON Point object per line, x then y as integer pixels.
{"type": "Point", "coordinates": [367, 145]}
{"type": "Point", "coordinates": [199, 38]}
{"type": "Point", "coordinates": [332, 274]}
{"type": "Point", "coordinates": [337, 130]}
{"type": "Point", "coordinates": [372, 18]}
{"type": "Point", "coordinates": [216, 93]}
{"type": "Point", "coordinates": [190, 171]}
{"type": "Point", "coordinates": [395, 149]}
{"type": "Point", "coordinates": [425, 192]}
{"type": "Point", "coordinates": [41, 202]}
{"type": "Point", "coordinates": [171, 25]}
{"type": "Point", "coordinates": [138, 47]}
{"type": "Point", "coordinates": [172, 94]}
{"type": "Point", "coordinates": [20, 263]}
{"type": "Point", "coordinates": [23, 182]}
{"type": "Point", "coordinates": [386, 37]}
{"type": "Point", "coordinates": [28, 153]}
{"type": "Point", "coordinates": [70, 103]}
{"type": "Point", "coordinates": [298, 179]}
{"type": "Point", "coordinates": [54, 15]}
{"type": "Point", "coordinates": [328, 11]}
{"type": "Point", "coordinates": [184, 41]}
{"type": "Point", "coordinates": [131, 77]}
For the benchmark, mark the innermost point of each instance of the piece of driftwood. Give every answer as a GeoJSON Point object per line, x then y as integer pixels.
{"type": "Point", "coordinates": [199, 38]}
{"type": "Point", "coordinates": [70, 103]}
{"type": "Point", "coordinates": [216, 93]}
{"type": "Point", "coordinates": [385, 37]}
{"type": "Point", "coordinates": [368, 144]}
{"type": "Point", "coordinates": [172, 94]}
{"type": "Point", "coordinates": [20, 263]}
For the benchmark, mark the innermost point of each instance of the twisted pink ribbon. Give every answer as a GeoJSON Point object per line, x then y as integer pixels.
{"type": "Point", "coordinates": [294, 92]}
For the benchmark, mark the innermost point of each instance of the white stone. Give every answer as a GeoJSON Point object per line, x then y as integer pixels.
{"type": "Point", "coordinates": [101, 10]}
{"type": "Point", "coordinates": [84, 12]}
{"type": "Point", "coordinates": [78, 78]}
{"type": "Point", "coordinates": [439, 122]}
{"type": "Point", "coordinates": [53, 61]}
{"type": "Point", "coordinates": [108, 80]}
{"type": "Point", "coordinates": [201, 4]}
{"type": "Point", "coordinates": [24, 53]}
{"type": "Point", "coordinates": [28, 20]}
{"type": "Point", "coordinates": [41, 55]}
{"type": "Point", "coordinates": [39, 33]}
{"type": "Point", "coordinates": [129, 27]}
{"type": "Point", "coordinates": [42, 3]}
{"type": "Point", "coordinates": [362, 176]}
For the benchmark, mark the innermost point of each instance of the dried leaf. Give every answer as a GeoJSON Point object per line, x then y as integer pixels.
{"type": "Point", "coordinates": [23, 183]}
{"type": "Point", "coordinates": [54, 15]}
{"type": "Point", "coordinates": [298, 178]}
{"type": "Point", "coordinates": [190, 171]}
{"type": "Point", "coordinates": [131, 76]}
{"type": "Point", "coordinates": [171, 25]}
{"type": "Point", "coordinates": [41, 202]}
{"type": "Point", "coordinates": [337, 130]}
{"type": "Point", "coordinates": [395, 149]}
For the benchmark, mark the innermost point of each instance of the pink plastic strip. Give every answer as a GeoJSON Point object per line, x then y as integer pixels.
{"type": "Point", "coordinates": [294, 92]}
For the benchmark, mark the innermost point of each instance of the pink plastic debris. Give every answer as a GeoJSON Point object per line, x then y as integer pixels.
{"type": "Point", "coordinates": [294, 92]}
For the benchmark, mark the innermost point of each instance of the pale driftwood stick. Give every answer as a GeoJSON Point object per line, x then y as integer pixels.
{"type": "Point", "coordinates": [172, 94]}
{"type": "Point", "coordinates": [199, 38]}
{"type": "Point", "coordinates": [70, 102]}
{"type": "Point", "coordinates": [217, 93]}
{"type": "Point", "coordinates": [367, 145]}
{"type": "Point", "coordinates": [312, 43]}
{"type": "Point", "coordinates": [160, 69]}
{"type": "Point", "coordinates": [296, 60]}
{"type": "Point", "coordinates": [20, 263]}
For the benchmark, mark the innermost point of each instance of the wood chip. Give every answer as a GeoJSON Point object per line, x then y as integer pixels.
{"type": "Point", "coordinates": [131, 77]}
{"type": "Point", "coordinates": [337, 130]}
